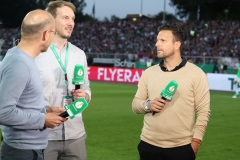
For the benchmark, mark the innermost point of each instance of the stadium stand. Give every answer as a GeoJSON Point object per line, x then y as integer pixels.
{"type": "Point", "coordinates": [137, 38]}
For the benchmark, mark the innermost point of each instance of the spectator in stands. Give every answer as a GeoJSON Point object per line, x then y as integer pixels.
{"type": "Point", "coordinates": [22, 107]}
{"type": "Point", "coordinates": [215, 66]}
{"type": "Point", "coordinates": [89, 59]}
{"type": "Point", "coordinates": [56, 67]}
{"type": "Point", "coordinates": [170, 131]}
{"type": "Point", "coordinates": [236, 81]}
{"type": "Point", "coordinates": [212, 38]}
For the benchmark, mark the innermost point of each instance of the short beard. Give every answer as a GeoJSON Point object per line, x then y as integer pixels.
{"type": "Point", "coordinates": [63, 36]}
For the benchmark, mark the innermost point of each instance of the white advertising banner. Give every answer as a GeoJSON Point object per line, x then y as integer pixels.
{"type": "Point", "coordinates": [221, 82]}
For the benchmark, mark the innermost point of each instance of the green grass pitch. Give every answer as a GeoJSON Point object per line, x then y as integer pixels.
{"type": "Point", "coordinates": [113, 130]}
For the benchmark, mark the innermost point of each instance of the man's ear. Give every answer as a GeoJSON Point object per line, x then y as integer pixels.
{"type": "Point", "coordinates": [177, 45]}
{"type": "Point", "coordinates": [45, 35]}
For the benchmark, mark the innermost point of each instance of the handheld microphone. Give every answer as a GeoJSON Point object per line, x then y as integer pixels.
{"type": "Point", "coordinates": [78, 76]}
{"type": "Point", "coordinates": [74, 108]}
{"type": "Point", "coordinates": [169, 91]}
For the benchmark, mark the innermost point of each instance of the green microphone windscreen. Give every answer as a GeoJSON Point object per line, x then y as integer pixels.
{"type": "Point", "coordinates": [78, 75]}
{"type": "Point", "coordinates": [76, 107]}
{"type": "Point", "coordinates": [169, 90]}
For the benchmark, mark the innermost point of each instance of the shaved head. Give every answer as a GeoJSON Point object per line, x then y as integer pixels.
{"type": "Point", "coordinates": [37, 32]}
{"type": "Point", "coordinates": [35, 22]}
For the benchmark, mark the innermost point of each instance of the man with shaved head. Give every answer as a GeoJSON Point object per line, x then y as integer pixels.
{"type": "Point", "coordinates": [37, 30]}
{"type": "Point", "coordinates": [23, 112]}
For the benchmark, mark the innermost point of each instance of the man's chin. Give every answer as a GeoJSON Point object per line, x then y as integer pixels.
{"type": "Point", "coordinates": [66, 36]}
{"type": "Point", "coordinates": [159, 55]}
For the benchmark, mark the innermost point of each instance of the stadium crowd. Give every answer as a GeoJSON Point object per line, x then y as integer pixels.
{"type": "Point", "coordinates": [211, 38]}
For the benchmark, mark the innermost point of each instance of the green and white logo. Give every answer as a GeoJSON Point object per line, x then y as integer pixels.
{"type": "Point", "coordinates": [80, 72]}
{"type": "Point", "coordinates": [79, 105]}
{"type": "Point", "coordinates": [171, 89]}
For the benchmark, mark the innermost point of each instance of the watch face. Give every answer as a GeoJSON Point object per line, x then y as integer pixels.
{"type": "Point", "coordinates": [146, 106]}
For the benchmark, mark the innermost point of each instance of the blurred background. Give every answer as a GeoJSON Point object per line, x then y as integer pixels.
{"type": "Point", "coordinates": [118, 37]}
{"type": "Point", "coordinates": [111, 30]}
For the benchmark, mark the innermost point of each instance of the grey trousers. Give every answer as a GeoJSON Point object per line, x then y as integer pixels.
{"type": "Point", "coordinates": [74, 149]}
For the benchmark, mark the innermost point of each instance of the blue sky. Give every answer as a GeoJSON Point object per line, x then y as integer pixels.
{"type": "Point", "coordinates": [120, 8]}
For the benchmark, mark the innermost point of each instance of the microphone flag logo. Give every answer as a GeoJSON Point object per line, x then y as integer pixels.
{"type": "Point", "coordinates": [171, 89]}
{"type": "Point", "coordinates": [79, 105]}
{"type": "Point", "coordinates": [80, 72]}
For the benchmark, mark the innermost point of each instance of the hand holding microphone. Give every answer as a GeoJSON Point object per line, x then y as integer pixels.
{"type": "Point", "coordinates": [52, 120]}
{"type": "Point", "coordinates": [78, 80]}
{"type": "Point", "coordinates": [80, 103]}
{"type": "Point", "coordinates": [168, 92]}
{"type": "Point", "coordinates": [79, 93]}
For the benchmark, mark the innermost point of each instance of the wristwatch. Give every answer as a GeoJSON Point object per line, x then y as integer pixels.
{"type": "Point", "coordinates": [146, 106]}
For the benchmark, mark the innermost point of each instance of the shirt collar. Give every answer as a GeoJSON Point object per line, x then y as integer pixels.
{"type": "Point", "coordinates": [164, 69]}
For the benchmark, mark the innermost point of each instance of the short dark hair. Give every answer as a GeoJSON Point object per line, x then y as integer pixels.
{"type": "Point", "coordinates": [176, 31]}
{"type": "Point", "coordinates": [53, 5]}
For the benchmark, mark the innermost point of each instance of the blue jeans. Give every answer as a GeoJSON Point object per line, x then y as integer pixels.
{"type": "Point", "coordinates": [8, 152]}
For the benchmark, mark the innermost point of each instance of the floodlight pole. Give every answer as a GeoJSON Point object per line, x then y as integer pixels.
{"type": "Point", "coordinates": [164, 11]}
{"type": "Point", "coordinates": [141, 6]}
